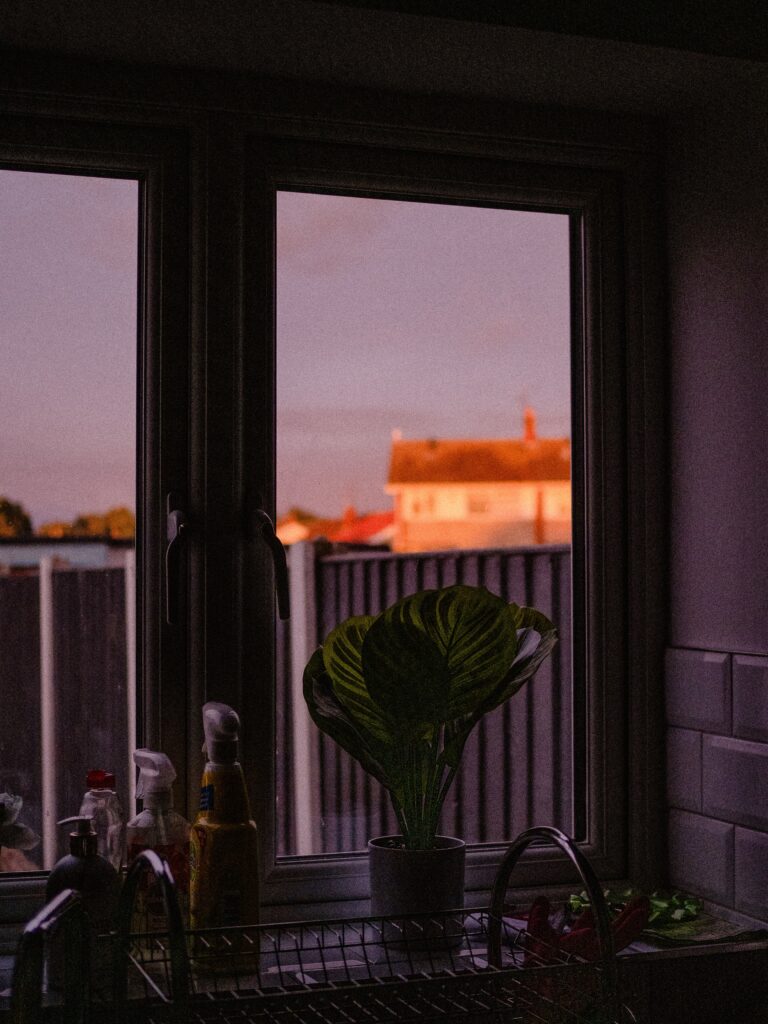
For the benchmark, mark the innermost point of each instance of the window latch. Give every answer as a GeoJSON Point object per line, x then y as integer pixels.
{"type": "Point", "coordinates": [265, 526]}
{"type": "Point", "coordinates": [176, 527]}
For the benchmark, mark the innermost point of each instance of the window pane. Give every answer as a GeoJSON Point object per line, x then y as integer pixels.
{"type": "Point", "coordinates": [423, 438]}
{"type": "Point", "coordinates": [68, 274]}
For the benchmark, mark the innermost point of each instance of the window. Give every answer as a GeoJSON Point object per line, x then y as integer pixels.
{"type": "Point", "coordinates": [207, 188]}
{"type": "Point", "coordinates": [594, 203]}
{"type": "Point", "coordinates": [68, 277]}
{"type": "Point", "coordinates": [116, 206]}
{"type": "Point", "coordinates": [412, 339]}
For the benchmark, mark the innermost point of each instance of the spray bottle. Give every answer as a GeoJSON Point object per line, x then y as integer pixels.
{"type": "Point", "coordinates": [158, 827]}
{"type": "Point", "coordinates": [102, 804]}
{"type": "Point", "coordinates": [224, 881]}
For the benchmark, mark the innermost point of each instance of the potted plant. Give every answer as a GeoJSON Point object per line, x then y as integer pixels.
{"type": "Point", "coordinates": [401, 692]}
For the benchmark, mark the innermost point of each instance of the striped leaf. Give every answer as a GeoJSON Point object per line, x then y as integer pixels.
{"type": "Point", "coordinates": [475, 633]}
{"type": "Point", "coordinates": [405, 670]}
{"type": "Point", "coordinates": [342, 657]}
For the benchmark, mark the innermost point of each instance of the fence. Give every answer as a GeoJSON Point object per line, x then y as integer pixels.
{"type": "Point", "coordinates": [67, 642]}
{"type": "Point", "coordinates": [518, 764]}
{"type": "Point", "coordinates": [67, 639]}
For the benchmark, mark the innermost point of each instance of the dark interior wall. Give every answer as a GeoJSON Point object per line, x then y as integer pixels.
{"type": "Point", "coordinates": [717, 660]}
{"type": "Point", "coordinates": [718, 254]}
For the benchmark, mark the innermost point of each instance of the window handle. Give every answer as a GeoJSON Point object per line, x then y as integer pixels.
{"type": "Point", "coordinates": [176, 527]}
{"type": "Point", "coordinates": [265, 525]}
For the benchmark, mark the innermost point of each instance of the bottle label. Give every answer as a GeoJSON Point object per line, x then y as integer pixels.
{"type": "Point", "coordinates": [206, 798]}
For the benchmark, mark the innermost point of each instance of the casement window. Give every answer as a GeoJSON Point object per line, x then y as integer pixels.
{"type": "Point", "coordinates": [606, 205]}
{"type": "Point", "coordinates": [90, 663]}
{"type": "Point", "coordinates": [209, 378]}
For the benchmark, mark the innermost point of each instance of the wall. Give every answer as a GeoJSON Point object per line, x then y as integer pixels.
{"type": "Point", "coordinates": [717, 662]}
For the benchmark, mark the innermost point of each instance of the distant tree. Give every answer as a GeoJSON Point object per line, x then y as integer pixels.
{"type": "Point", "coordinates": [89, 525]}
{"type": "Point", "coordinates": [14, 521]}
{"type": "Point", "coordinates": [55, 529]}
{"type": "Point", "coordinates": [121, 523]}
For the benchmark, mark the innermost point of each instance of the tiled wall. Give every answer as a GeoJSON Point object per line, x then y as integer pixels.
{"type": "Point", "coordinates": [717, 748]}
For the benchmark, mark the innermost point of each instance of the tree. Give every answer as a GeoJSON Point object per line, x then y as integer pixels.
{"type": "Point", "coordinates": [121, 523]}
{"type": "Point", "coordinates": [14, 521]}
{"type": "Point", "coordinates": [118, 523]}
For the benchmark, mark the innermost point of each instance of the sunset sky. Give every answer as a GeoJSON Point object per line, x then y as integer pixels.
{"type": "Point", "coordinates": [437, 320]}
{"type": "Point", "coordinates": [440, 321]}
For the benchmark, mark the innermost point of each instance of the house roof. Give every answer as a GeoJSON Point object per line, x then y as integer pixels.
{"type": "Point", "coordinates": [479, 461]}
{"type": "Point", "coordinates": [366, 528]}
{"type": "Point", "coordinates": [369, 528]}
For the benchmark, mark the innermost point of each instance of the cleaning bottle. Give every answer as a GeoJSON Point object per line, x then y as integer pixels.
{"type": "Point", "coordinates": [158, 827]}
{"type": "Point", "coordinates": [98, 883]}
{"type": "Point", "coordinates": [102, 805]}
{"type": "Point", "coordinates": [224, 880]}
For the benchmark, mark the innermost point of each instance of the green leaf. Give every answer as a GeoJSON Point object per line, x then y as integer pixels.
{"type": "Point", "coordinates": [331, 717]}
{"type": "Point", "coordinates": [405, 671]}
{"type": "Point", "coordinates": [530, 618]}
{"type": "Point", "coordinates": [342, 658]}
{"type": "Point", "coordinates": [476, 635]}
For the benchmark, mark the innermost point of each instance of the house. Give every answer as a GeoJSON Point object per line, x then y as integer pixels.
{"type": "Point", "coordinates": [367, 528]}
{"type": "Point", "coordinates": [453, 493]}
{"type": "Point", "coordinates": [186, 97]}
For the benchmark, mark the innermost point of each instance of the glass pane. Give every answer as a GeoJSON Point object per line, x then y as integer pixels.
{"type": "Point", "coordinates": [68, 274]}
{"type": "Point", "coordinates": [423, 438]}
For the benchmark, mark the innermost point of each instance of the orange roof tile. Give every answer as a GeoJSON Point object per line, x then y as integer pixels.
{"type": "Point", "coordinates": [479, 461]}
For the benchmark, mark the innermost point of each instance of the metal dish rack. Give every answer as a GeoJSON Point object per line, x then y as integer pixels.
{"type": "Point", "coordinates": [463, 966]}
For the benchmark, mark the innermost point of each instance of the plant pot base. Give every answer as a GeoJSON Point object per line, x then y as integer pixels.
{"type": "Point", "coordinates": [411, 885]}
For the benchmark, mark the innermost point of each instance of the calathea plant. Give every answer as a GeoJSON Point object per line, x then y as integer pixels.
{"type": "Point", "coordinates": [401, 691]}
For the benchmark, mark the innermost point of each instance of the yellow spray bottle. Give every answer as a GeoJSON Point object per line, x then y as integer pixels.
{"type": "Point", "coordinates": [224, 861]}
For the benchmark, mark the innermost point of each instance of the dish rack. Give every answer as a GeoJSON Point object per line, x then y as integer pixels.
{"type": "Point", "coordinates": [469, 966]}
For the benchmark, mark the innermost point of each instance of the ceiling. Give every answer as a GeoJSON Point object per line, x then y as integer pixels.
{"type": "Point", "coordinates": [547, 52]}
{"type": "Point", "coordinates": [737, 28]}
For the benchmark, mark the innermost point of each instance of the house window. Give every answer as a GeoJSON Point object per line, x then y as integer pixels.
{"type": "Point", "coordinates": [477, 504]}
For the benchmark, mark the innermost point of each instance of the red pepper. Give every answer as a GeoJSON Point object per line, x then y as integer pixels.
{"type": "Point", "coordinates": [545, 944]}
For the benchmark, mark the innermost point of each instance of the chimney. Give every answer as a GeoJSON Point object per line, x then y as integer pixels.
{"type": "Point", "coordinates": [529, 424]}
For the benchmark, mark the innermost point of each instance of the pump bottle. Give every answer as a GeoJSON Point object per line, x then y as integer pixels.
{"type": "Point", "coordinates": [102, 804]}
{"type": "Point", "coordinates": [98, 883]}
{"type": "Point", "coordinates": [224, 882]}
{"type": "Point", "coordinates": [158, 827]}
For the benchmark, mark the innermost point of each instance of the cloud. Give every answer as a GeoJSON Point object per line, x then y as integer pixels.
{"type": "Point", "coordinates": [318, 234]}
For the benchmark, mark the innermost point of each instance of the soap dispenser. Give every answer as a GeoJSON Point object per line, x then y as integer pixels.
{"type": "Point", "coordinates": [98, 884]}
{"type": "Point", "coordinates": [89, 873]}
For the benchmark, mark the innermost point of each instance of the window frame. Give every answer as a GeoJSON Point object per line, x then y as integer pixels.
{"type": "Point", "coordinates": [615, 319]}
{"type": "Point", "coordinates": [208, 299]}
{"type": "Point", "coordinates": [158, 160]}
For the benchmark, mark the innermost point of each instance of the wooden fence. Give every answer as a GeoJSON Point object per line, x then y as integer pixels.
{"type": "Point", "coordinates": [67, 687]}
{"type": "Point", "coordinates": [68, 690]}
{"type": "Point", "coordinates": [518, 764]}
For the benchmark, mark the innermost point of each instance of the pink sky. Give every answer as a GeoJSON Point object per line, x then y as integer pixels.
{"type": "Point", "coordinates": [68, 250]}
{"type": "Point", "coordinates": [437, 320]}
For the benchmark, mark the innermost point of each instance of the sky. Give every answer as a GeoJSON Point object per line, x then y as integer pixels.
{"type": "Point", "coordinates": [432, 319]}
{"type": "Point", "coordinates": [68, 252]}
{"type": "Point", "coordinates": [435, 320]}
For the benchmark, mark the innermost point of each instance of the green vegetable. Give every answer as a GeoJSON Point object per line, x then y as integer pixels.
{"type": "Point", "coordinates": [402, 691]}
{"type": "Point", "coordinates": [667, 908]}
